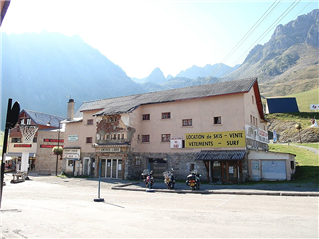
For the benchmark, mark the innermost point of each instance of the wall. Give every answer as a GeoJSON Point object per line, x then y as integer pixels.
{"type": "Point", "coordinates": [261, 156]}
{"type": "Point", "coordinates": [45, 159]}
{"type": "Point", "coordinates": [202, 112]}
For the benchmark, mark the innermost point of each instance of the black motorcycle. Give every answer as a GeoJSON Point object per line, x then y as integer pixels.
{"type": "Point", "coordinates": [169, 179]}
{"type": "Point", "coordinates": [193, 180]}
{"type": "Point", "coordinates": [148, 178]}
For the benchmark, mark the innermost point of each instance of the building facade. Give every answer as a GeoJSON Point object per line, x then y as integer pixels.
{"type": "Point", "coordinates": [36, 155]}
{"type": "Point", "coordinates": [208, 128]}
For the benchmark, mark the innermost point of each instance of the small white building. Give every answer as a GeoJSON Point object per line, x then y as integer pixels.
{"type": "Point", "coordinates": [272, 166]}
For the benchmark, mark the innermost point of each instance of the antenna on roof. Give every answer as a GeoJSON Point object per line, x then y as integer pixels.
{"type": "Point", "coordinates": [68, 96]}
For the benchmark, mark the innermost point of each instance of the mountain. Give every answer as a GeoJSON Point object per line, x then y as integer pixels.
{"type": "Point", "coordinates": [216, 70]}
{"type": "Point", "coordinates": [189, 77]}
{"type": "Point", "coordinates": [288, 62]}
{"type": "Point", "coordinates": [40, 69]}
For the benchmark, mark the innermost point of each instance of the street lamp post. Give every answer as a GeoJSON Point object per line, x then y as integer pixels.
{"type": "Point", "coordinates": [57, 155]}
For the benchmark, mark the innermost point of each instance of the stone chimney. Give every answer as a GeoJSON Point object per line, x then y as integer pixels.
{"type": "Point", "coordinates": [70, 113]}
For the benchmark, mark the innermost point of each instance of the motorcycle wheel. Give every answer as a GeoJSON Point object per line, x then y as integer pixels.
{"type": "Point", "coordinates": [193, 188]}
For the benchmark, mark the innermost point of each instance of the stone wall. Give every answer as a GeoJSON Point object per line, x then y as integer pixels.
{"type": "Point", "coordinates": [45, 159]}
{"type": "Point", "coordinates": [180, 162]}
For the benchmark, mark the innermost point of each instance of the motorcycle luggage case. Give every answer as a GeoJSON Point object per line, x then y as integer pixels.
{"type": "Point", "coordinates": [191, 177]}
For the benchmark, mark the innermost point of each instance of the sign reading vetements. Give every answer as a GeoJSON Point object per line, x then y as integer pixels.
{"type": "Point", "coordinates": [216, 139]}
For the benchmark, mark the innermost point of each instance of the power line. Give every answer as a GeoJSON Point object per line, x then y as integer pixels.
{"type": "Point", "coordinates": [248, 33]}
{"type": "Point", "coordinates": [292, 6]}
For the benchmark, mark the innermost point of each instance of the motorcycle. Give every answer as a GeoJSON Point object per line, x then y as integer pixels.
{"type": "Point", "coordinates": [169, 179]}
{"type": "Point", "coordinates": [148, 178]}
{"type": "Point", "coordinates": [193, 180]}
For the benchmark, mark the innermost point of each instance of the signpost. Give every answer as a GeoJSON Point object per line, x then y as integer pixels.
{"type": "Point", "coordinates": [12, 118]}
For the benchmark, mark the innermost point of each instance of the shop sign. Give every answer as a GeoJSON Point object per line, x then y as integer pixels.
{"type": "Point", "coordinates": [22, 145]}
{"type": "Point", "coordinates": [71, 153]}
{"type": "Point", "coordinates": [49, 146]}
{"type": "Point", "coordinates": [72, 138]}
{"type": "Point", "coordinates": [216, 139]}
{"type": "Point", "coordinates": [176, 142]}
{"type": "Point", "coordinates": [53, 140]}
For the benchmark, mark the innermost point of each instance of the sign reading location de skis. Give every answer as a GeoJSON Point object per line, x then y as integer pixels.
{"type": "Point", "coordinates": [216, 139]}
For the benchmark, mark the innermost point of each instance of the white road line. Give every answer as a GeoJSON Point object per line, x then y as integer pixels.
{"type": "Point", "coordinates": [225, 201]}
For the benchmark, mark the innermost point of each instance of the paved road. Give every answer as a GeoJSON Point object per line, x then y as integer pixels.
{"type": "Point", "coordinates": [53, 207]}
{"type": "Point", "coordinates": [316, 151]}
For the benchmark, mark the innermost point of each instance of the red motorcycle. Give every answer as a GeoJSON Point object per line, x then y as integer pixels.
{"type": "Point", "coordinates": [148, 178]}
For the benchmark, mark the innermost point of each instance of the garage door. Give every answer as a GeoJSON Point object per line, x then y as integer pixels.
{"type": "Point", "coordinates": [274, 170]}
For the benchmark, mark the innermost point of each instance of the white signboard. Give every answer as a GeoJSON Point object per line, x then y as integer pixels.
{"type": "Point", "coordinates": [72, 138]}
{"type": "Point", "coordinates": [314, 106]}
{"type": "Point", "coordinates": [176, 142]}
{"type": "Point", "coordinates": [71, 153]}
{"type": "Point", "coordinates": [257, 134]}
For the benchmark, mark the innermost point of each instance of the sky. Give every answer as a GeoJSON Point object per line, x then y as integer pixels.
{"type": "Point", "coordinates": [140, 35]}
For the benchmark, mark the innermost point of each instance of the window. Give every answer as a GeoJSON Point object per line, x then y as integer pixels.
{"type": "Point", "coordinates": [146, 117]}
{"type": "Point", "coordinates": [187, 122]}
{"type": "Point", "coordinates": [70, 162]}
{"type": "Point", "coordinates": [252, 99]}
{"type": "Point", "coordinates": [122, 136]}
{"type": "Point", "coordinates": [16, 140]}
{"type": "Point", "coordinates": [166, 137]}
{"type": "Point", "coordinates": [192, 167]}
{"type": "Point", "coordinates": [90, 122]}
{"type": "Point", "coordinates": [292, 165]}
{"type": "Point", "coordinates": [166, 115]}
{"type": "Point", "coordinates": [146, 138]}
{"type": "Point", "coordinates": [88, 140]}
{"type": "Point", "coordinates": [118, 136]}
{"type": "Point", "coordinates": [217, 120]}
{"type": "Point", "coordinates": [28, 121]}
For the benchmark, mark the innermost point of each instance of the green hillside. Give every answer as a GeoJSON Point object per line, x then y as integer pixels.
{"type": "Point", "coordinates": [304, 99]}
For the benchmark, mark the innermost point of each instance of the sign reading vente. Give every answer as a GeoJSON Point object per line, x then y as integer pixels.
{"type": "Point", "coordinates": [216, 139]}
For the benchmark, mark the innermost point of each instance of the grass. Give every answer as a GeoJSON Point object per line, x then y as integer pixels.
{"type": "Point", "coordinates": [307, 162]}
{"type": "Point", "coordinates": [304, 99]}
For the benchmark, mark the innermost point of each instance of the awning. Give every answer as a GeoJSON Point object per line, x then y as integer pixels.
{"type": "Point", "coordinates": [74, 159]}
{"type": "Point", "coordinates": [221, 155]}
{"type": "Point", "coordinates": [19, 154]}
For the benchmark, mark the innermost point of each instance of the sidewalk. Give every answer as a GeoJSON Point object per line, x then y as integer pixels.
{"type": "Point", "coordinates": [258, 188]}
{"type": "Point", "coordinates": [271, 189]}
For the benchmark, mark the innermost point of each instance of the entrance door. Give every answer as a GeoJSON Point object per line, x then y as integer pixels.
{"type": "Point", "coordinates": [108, 169]}
{"type": "Point", "coordinates": [103, 162]}
{"type": "Point", "coordinates": [230, 172]}
{"type": "Point", "coordinates": [113, 168]}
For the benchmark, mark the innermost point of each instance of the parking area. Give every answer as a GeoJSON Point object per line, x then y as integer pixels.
{"type": "Point", "coordinates": [53, 207]}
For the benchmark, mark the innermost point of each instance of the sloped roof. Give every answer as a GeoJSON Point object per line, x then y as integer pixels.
{"type": "Point", "coordinates": [4, 5]}
{"type": "Point", "coordinates": [220, 155]}
{"type": "Point", "coordinates": [43, 118]}
{"type": "Point", "coordinates": [127, 104]}
{"type": "Point", "coordinates": [282, 105]}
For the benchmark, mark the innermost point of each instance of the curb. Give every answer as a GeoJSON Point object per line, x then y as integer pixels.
{"type": "Point", "coordinates": [261, 193]}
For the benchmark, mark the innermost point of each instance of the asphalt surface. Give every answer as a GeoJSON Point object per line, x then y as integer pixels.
{"type": "Point", "coordinates": [257, 188]}
{"type": "Point", "coordinates": [61, 207]}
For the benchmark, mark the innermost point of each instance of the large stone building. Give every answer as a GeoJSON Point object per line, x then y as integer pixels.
{"type": "Point", "coordinates": [208, 128]}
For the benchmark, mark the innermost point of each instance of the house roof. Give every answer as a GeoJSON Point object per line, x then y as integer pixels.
{"type": "Point", "coordinates": [220, 155]}
{"type": "Point", "coordinates": [43, 118]}
{"type": "Point", "coordinates": [127, 104]}
{"type": "Point", "coordinates": [282, 105]}
{"type": "Point", "coordinates": [4, 5]}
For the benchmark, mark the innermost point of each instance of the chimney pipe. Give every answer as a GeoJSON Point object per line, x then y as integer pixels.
{"type": "Point", "coordinates": [70, 113]}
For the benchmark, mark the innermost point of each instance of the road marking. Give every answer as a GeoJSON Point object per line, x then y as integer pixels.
{"type": "Point", "coordinates": [225, 201]}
